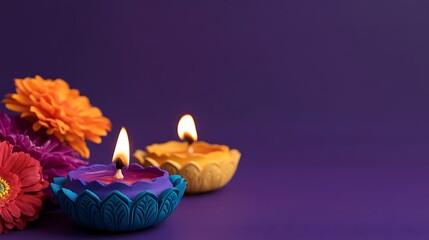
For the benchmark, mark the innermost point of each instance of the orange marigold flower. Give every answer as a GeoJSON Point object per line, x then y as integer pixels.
{"type": "Point", "coordinates": [61, 110]}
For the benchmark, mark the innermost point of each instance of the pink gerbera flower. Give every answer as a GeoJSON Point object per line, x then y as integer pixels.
{"type": "Point", "coordinates": [21, 185]}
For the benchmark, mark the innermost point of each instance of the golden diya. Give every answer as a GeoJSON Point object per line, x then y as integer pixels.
{"type": "Point", "coordinates": [205, 167]}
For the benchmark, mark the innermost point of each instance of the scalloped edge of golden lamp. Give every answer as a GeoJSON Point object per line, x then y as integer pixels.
{"type": "Point", "coordinates": [200, 178]}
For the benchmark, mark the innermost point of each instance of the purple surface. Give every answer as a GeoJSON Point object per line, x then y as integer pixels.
{"type": "Point", "coordinates": [328, 98]}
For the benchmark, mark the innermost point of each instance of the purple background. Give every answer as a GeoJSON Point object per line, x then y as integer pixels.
{"type": "Point", "coordinates": [327, 101]}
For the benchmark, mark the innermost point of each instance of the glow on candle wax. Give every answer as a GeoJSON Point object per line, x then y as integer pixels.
{"type": "Point", "coordinates": [122, 152]}
{"type": "Point", "coordinates": [186, 130]}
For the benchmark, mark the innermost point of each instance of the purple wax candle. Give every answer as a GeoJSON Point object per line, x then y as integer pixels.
{"type": "Point", "coordinates": [100, 179]}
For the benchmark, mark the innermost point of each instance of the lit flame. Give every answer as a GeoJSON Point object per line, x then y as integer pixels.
{"type": "Point", "coordinates": [122, 149]}
{"type": "Point", "coordinates": [186, 129]}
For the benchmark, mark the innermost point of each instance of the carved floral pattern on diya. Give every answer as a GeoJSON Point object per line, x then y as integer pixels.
{"type": "Point", "coordinates": [205, 166]}
{"type": "Point", "coordinates": [116, 211]}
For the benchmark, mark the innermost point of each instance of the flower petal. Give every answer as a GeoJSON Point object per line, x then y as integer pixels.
{"type": "Point", "coordinates": [26, 208]}
{"type": "Point", "coordinates": [14, 210]}
{"type": "Point", "coordinates": [5, 152]}
{"type": "Point", "coordinates": [61, 110]}
{"type": "Point", "coordinates": [6, 216]}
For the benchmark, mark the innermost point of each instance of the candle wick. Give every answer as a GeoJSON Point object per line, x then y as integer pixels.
{"type": "Point", "coordinates": [190, 149]}
{"type": "Point", "coordinates": [190, 141]}
{"type": "Point", "coordinates": [118, 174]}
{"type": "Point", "coordinates": [119, 166]}
{"type": "Point", "coordinates": [188, 137]}
{"type": "Point", "coordinates": [119, 163]}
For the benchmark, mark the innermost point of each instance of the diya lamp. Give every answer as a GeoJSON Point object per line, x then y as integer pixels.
{"type": "Point", "coordinates": [204, 166]}
{"type": "Point", "coordinates": [118, 196]}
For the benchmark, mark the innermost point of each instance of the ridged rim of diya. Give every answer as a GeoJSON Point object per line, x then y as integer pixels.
{"type": "Point", "coordinates": [158, 182]}
{"type": "Point", "coordinates": [116, 211]}
{"type": "Point", "coordinates": [203, 172]}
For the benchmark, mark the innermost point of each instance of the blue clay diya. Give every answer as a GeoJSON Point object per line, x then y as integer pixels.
{"type": "Point", "coordinates": [143, 198]}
